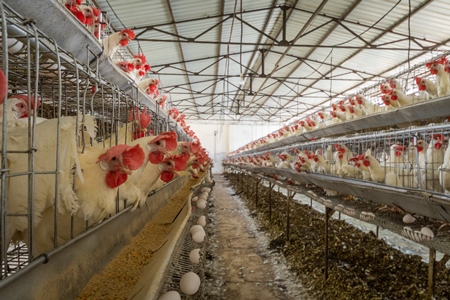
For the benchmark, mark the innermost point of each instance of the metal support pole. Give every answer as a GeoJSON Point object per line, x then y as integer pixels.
{"type": "Point", "coordinates": [377, 229]}
{"type": "Point", "coordinates": [290, 196]}
{"type": "Point", "coordinates": [328, 213]}
{"type": "Point", "coordinates": [288, 199]}
{"type": "Point", "coordinates": [431, 273]}
{"type": "Point", "coordinates": [270, 201]}
{"type": "Point", "coordinates": [256, 191]}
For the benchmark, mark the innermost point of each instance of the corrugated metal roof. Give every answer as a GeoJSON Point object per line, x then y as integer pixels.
{"type": "Point", "coordinates": [296, 62]}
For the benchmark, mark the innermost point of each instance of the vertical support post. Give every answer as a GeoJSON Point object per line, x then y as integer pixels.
{"type": "Point", "coordinates": [290, 196]}
{"type": "Point", "coordinates": [431, 273]}
{"type": "Point", "coordinates": [256, 191]}
{"type": "Point", "coordinates": [328, 213]}
{"type": "Point", "coordinates": [288, 200]}
{"type": "Point", "coordinates": [377, 229]}
{"type": "Point", "coordinates": [310, 202]}
{"type": "Point", "coordinates": [270, 200]}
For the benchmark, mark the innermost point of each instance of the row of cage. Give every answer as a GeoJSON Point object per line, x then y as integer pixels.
{"type": "Point", "coordinates": [415, 157]}
{"type": "Point", "coordinates": [46, 82]}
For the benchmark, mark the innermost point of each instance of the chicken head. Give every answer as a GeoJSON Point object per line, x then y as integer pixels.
{"type": "Point", "coordinates": [119, 161]}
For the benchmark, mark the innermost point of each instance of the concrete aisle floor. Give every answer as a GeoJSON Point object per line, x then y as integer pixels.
{"type": "Point", "coordinates": [242, 267]}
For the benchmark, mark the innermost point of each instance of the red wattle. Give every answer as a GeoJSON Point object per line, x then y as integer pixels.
{"type": "Point", "coordinates": [123, 43]}
{"type": "Point", "coordinates": [366, 163]}
{"type": "Point", "coordinates": [166, 176]}
{"type": "Point", "coordinates": [156, 157]}
{"type": "Point", "coordinates": [114, 179]}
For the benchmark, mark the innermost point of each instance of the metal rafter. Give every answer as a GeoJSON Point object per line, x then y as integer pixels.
{"type": "Point", "coordinates": [388, 30]}
{"type": "Point", "coordinates": [304, 28]}
{"type": "Point", "coordinates": [181, 48]}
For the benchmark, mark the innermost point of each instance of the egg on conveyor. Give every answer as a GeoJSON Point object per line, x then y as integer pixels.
{"type": "Point", "coordinates": [196, 228]}
{"type": "Point", "coordinates": [427, 232]}
{"type": "Point", "coordinates": [189, 283]}
{"type": "Point", "coordinates": [194, 199]}
{"type": "Point", "coordinates": [194, 256]}
{"type": "Point", "coordinates": [199, 236]}
{"type": "Point", "coordinates": [203, 196]}
{"type": "Point", "coordinates": [206, 189]}
{"type": "Point", "coordinates": [201, 221]}
{"type": "Point", "coordinates": [172, 295]}
{"type": "Point", "coordinates": [408, 219]}
{"type": "Point", "coordinates": [201, 204]}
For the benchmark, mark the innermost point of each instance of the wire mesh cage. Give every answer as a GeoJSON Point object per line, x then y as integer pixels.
{"type": "Point", "coordinates": [46, 82]}
{"type": "Point", "coordinates": [182, 259]}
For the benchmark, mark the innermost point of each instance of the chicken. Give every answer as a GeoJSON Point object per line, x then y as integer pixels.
{"type": "Point", "coordinates": [428, 86]}
{"type": "Point", "coordinates": [74, 8]}
{"type": "Point", "coordinates": [385, 88]}
{"type": "Point", "coordinates": [433, 160]}
{"type": "Point", "coordinates": [104, 171]}
{"type": "Point", "coordinates": [112, 42]}
{"type": "Point", "coordinates": [367, 106]}
{"type": "Point", "coordinates": [149, 86]}
{"type": "Point", "coordinates": [154, 148]}
{"type": "Point", "coordinates": [17, 107]}
{"type": "Point", "coordinates": [165, 172]}
{"type": "Point", "coordinates": [45, 161]}
{"type": "Point", "coordinates": [358, 163]}
{"type": "Point", "coordinates": [378, 173]}
{"type": "Point", "coordinates": [136, 128]}
{"type": "Point", "coordinates": [437, 68]}
{"type": "Point", "coordinates": [353, 112]}
{"type": "Point", "coordinates": [401, 99]}
{"type": "Point", "coordinates": [321, 165]}
{"type": "Point", "coordinates": [394, 84]}
{"type": "Point", "coordinates": [133, 67]}
{"type": "Point", "coordinates": [324, 118]}
{"type": "Point", "coordinates": [444, 172]}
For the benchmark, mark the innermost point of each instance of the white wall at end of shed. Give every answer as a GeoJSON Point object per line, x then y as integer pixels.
{"type": "Point", "coordinates": [220, 139]}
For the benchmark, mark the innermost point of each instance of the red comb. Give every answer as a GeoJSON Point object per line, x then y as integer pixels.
{"type": "Point", "coordinates": [96, 11]}
{"type": "Point", "coordinates": [141, 57]}
{"type": "Point", "coordinates": [145, 119]}
{"type": "Point", "coordinates": [170, 137]}
{"type": "Point", "coordinates": [129, 32]}
{"type": "Point", "coordinates": [132, 157]}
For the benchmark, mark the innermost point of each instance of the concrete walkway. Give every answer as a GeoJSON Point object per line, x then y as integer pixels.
{"type": "Point", "coordinates": [242, 267]}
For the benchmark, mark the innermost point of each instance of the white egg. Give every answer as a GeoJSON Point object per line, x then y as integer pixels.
{"type": "Point", "coordinates": [206, 189]}
{"type": "Point", "coordinates": [189, 283]}
{"type": "Point", "coordinates": [199, 236]}
{"type": "Point", "coordinates": [172, 295]}
{"type": "Point", "coordinates": [203, 197]}
{"type": "Point", "coordinates": [194, 199]}
{"type": "Point", "coordinates": [196, 228]}
{"type": "Point", "coordinates": [201, 221]}
{"type": "Point", "coordinates": [408, 219]}
{"type": "Point", "coordinates": [427, 232]}
{"type": "Point", "coordinates": [194, 256]}
{"type": "Point", "coordinates": [201, 204]}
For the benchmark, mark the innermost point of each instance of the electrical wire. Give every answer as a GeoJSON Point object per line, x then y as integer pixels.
{"type": "Point", "coordinates": [123, 25]}
{"type": "Point", "coordinates": [373, 25]}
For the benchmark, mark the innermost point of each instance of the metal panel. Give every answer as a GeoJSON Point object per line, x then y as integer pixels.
{"type": "Point", "coordinates": [64, 273]}
{"type": "Point", "coordinates": [413, 201]}
{"type": "Point", "coordinates": [59, 26]}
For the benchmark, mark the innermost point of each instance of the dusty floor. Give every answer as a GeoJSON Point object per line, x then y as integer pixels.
{"type": "Point", "coordinates": [241, 266]}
